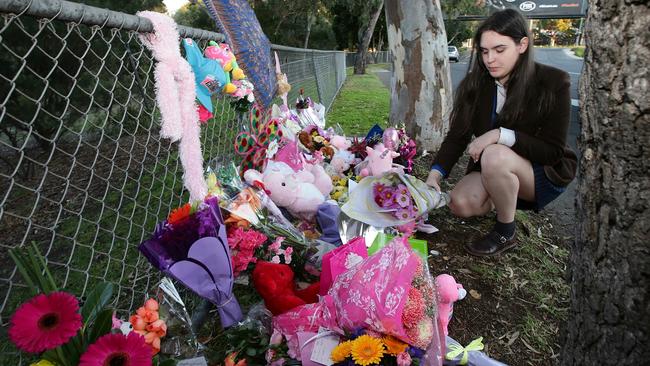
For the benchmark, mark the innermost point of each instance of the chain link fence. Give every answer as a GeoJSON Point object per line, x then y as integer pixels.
{"type": "Point", "coordinates": [377, 57]}
{"type": "Point", "coordinates": [84, 172]}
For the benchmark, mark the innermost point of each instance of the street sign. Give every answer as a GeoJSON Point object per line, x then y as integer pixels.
{"type": "Point", "coordinates": [533, 9]}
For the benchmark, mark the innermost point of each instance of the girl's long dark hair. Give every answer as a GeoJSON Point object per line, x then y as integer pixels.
{"type": "Point", "coordinates": [519, 85]}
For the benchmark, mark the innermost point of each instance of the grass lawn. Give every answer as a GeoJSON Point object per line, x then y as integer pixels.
{"type": "Point", "coordinates": [579, 51]}
{"type": "Point", "coordinates": [362, 102]}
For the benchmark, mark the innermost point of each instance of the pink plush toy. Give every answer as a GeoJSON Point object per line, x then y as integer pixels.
{"type": "Point", "coordinates": [321, 179]}
{"type": "Point", "coordinates": [340, 142]}
{"type": "Point", "coordinates": [449, 292]}
{"type": "Point", "coordinates": [289, 189]}
{"type": "Point", "coordinates": [222, 54]}
{"type": "Point", "coordinates": [380, 161]}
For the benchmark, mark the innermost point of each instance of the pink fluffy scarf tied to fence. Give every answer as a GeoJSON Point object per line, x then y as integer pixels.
{"type": "Point", "coordinates": [176, 96]}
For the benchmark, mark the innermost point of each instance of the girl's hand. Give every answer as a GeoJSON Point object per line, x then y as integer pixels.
{"type": "Point", "coordinates": [480, 143]}
{"type": "Point", "coordinates": [433, 180]}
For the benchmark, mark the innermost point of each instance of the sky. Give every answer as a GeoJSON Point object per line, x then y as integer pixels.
{"type": "Point", "coordinates": [173, 5]}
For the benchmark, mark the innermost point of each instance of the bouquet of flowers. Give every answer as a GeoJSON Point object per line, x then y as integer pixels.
{"type": "Point", "coordinates": [147, 322]}
{"type": "Point", "coordinates": [309, 113]}
{"type": "Point", "coordinates": [243, 244]}
{"type": "Point", "coordinates": [391, 200]}
{"type": "Point", "coordinates": [396, 139]}
{"type": "Point", "coordinates": [389, 293]}
{"type": "Point", "coordinates": [192, 247]}
{"type": "Point", "coordinates": [394, 198]}
{"type": "Point", "coordinates": [53, 324]}
{"type": "Point", "coordinates": [367, 347]}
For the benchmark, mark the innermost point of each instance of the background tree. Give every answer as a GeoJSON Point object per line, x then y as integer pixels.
{"type": "Point", "coordinates": [421, 83]}
{"type": "Point", "coordinates": [557, 28]}
{"type": "Point", "coordinates": [609, 316]}
{"type": "Point", "coordinates": [296, 23]}
{"type": "Point", "coordinates": [370, 12]}
{"type": "Point", "coordinates": [194, 15]}
{"type": "Point", "coordinates": [460, 30]}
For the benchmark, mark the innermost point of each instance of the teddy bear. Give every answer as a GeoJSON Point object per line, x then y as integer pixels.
{"type": "Point", "coordinates": [274, 282]}
{"type": "Point", "coordinates": [292, 190]}
{"type": "Point", "coordinates": [449, 292]}
{"type": "Point", "coordinates": [316, 143]}
{"type": "Point", "coordinates": [343, 159]}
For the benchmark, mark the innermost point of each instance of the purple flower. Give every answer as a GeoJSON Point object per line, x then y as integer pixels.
{"type": "Point", "coordinates": [388, 194]}
{"type": "Point", "coordinates": [403, 214]}
{"type": "Point", "coordinates": [404, 200]}
{"type": "Point", "coordinates": [378, 188]}
{"type": "Point", "coordinates": [401, 188]}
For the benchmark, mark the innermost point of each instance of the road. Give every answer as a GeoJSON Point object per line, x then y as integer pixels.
{"type": "Point", "coordinates": [557, 57]}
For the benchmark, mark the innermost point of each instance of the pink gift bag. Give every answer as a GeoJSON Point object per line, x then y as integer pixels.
{"type": "Point", "coordinates": [340, 260]}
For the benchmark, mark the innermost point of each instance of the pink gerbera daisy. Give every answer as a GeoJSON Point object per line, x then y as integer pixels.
{"type": "Point", "coordinates": [118, 350]}
{"type": "Point", "coordinates": [45, 322]}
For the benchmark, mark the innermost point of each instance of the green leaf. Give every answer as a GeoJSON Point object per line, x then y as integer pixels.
{"type": "Point", "coordinates": [250, 351]}
{"type": "Point", "coordinates": [95, 302]}
{"type": "Point", "coordinates": [32, 267]}
{"type": "Point", "coordinates": [51, 356]}
{"type": "Point", "coordinates": [102, 325]}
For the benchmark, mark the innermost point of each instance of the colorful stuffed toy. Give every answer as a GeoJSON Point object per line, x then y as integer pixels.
{"type": "Point", "coordinates": [274, 282]}
{"type": "Point", "coordinates": [380, 161]}
{"type": "Point", "coordinates": [217, 52]}
{"type": "Point", "coordinates": [449, 292]}
{"type": "Point", "coordinates": [286, 188]}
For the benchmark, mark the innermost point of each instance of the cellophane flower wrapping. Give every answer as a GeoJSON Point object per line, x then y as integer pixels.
{"type": "Point", "coordinates": [391, 292]}
{"type": "Point", "coordinates": [180, 340]}
{"type": "Point", "coordinates": [363, 206]}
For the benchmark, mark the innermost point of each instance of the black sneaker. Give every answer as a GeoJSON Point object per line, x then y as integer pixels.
{"type": "Point", "coordinates": [491, 244]}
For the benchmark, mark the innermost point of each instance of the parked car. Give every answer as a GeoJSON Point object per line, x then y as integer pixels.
{"type": "Point", "coordinates": [453, 53]}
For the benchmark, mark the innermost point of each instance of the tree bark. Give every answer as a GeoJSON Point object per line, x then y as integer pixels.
{"type": "Point", "coordinates": [609, 317]}
{"type": "Point", "coordinates": [421, 85]}
{"type": "Point", "coordinates": [362, 49]}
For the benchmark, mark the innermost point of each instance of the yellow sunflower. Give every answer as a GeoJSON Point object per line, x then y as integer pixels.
{"type": "Point", "coordinates": [367, 350]}
{"type": "Point", "coordinates": [394, 346]}
{"type": "Point", "coordinates": [341, 352]}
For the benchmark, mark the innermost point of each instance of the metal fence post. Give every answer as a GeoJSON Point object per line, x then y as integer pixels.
{"type": "Point", "coordinates": [318, 82]}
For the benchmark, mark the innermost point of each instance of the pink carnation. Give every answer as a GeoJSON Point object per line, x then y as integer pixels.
{"type": "Point", "coordinates": [414, 308]}
{"type": "Point", "coordinates": [275, 246]}
{"type": "Point", "coordinates": [421, 334]}
{"type": "Point", "coordinates": [404, 359]}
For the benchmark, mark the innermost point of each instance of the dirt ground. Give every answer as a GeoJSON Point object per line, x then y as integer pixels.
{"type": "Point", "coordinates": [516, 301]}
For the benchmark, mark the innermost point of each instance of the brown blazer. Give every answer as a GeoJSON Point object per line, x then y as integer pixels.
{"type": "Point", "coordinates": [539, 138]}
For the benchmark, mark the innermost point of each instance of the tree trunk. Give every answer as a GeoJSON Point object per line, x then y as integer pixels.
{"type": "Point", "coordinates": [609, 317]}
{"type": "Point", "coordinates": [421, 84]}
{"type": "Point", "coordinates": [362, 49]}
{"type": "Point", "coordinates": [309, 22]}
